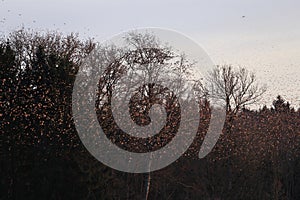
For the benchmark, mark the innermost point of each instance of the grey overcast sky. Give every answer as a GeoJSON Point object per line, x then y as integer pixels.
{"type": "Point", "coordinates": [261, 35]}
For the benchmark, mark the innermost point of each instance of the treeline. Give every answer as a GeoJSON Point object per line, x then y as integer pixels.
{"type": "Point", "coordinates": [42, 157]}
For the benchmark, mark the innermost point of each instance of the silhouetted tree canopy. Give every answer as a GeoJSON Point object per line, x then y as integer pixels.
{"type": "Point", "coordinates": [41, 156]}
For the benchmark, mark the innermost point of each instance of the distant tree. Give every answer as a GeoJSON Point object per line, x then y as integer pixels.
{"type": "Point", "coordinates": [280, 105]}
{"type": "Point", "coordinates": [237, 87]}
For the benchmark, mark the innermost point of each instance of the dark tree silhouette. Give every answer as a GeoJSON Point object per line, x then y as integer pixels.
{"type": "Point", "coordinates": [41, 156]}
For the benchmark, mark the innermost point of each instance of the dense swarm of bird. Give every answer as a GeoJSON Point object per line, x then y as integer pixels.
{"type": "Point", "coordinates": [41, 155]}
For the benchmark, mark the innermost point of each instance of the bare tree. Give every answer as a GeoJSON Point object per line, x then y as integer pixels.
{"type": "Point", "coordinates": [155, 74]}
{"type": "Point", "coordinates": [236, 86]}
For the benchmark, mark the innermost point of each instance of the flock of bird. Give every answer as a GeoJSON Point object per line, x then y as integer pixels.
{"type": "Point", "coordinates": [6, 18]}
{"type": "Point", "coordinates": [9, 11]}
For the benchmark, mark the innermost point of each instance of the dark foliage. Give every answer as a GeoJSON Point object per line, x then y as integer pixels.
{"type": "Point", "coordinates": [41, 156]}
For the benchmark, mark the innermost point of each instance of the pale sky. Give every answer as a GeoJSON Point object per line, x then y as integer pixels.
{"type": "Point", "coordinates": [261, 35]}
